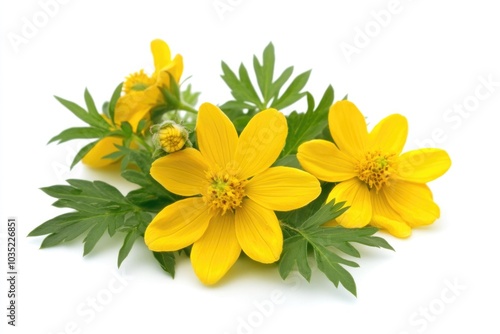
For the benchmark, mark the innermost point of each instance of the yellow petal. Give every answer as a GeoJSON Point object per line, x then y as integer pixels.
{"type": "Point", "coordinates": [174, 69]}
{"type": "Point", "coordinates": [104, 147]}
{"type": "Point", "coordinates": [423, 165]}
{"type": "Point", "coordinates": [161, 54]}
{"type": "Point", "coordinates": [217, 250]}
{"type": "Point", "coordinates": [325, 161]}
{"type": "Point", "coordinates": [357, 196]}
{"type": "Point", "coordinates": [258, 232]}
{"type": "Point", "coordinates": [182, 172]}
{"type": "Point", "coordinates": [135, 106]}
{"type": "Point", "coordinates": [217, 137]}
{"type": "Point", "coordinates": [389, 135]}
{"type": "Point", "coordinates": [412, 201]}
{"type": "Point", "coordinates": [384, 217]}
{"type": "Point", "coordinates": [178, 225]}
{"type": "Point", "coordinates": [261, 142]}
{"type": "Point", "coordinates": [283, 188]}
{"type": "Point", "coordinates": [348, 128]}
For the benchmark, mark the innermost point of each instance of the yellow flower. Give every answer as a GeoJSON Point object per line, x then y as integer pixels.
{"type": "Point", "coordinates": [382, 186]}
{"type": "Point", "coordinates": [234, 193]}
{"type": "Point", "coordinates": [141, 94]}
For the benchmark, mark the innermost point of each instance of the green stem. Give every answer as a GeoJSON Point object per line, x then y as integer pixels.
{"type": "Point", "coordinates": [187, 108]}
{"type": "Point", "coordinates": [142, 142]}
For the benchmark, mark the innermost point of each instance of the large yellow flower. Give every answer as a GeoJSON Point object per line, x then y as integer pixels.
{"type": "Point", "coordinates": [235, 193]}
{"type": "Point", "coordinates": [382, 186]}
{"type": "Point", "coordinates": [141, 94]}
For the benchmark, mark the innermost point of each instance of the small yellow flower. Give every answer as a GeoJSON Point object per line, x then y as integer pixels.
{"type": "Point", "coordinates": [141, 94]}
{"type": "Point", "coordinates": [170, 136]}
{"type": "Point", "coordinates": [233, 190]}
{"type": "Point", "coordinates": [383, 187]}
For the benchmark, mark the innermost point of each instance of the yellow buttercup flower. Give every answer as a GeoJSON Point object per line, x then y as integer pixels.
{"type": "Point", "coordinates": [234, 192]}
{"type": "Point", "coordinates": [141, 94]}
{"type": "Point", "coordinates": [383, 187]}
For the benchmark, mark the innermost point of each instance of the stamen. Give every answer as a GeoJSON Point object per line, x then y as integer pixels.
{"type": "Point", "coordinates": [225, 192]}
{"type": "Point", "coordinates": [376, 169]}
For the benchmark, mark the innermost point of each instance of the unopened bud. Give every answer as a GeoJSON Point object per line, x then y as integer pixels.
{"type": "Point", "coordinates": [170, 136]}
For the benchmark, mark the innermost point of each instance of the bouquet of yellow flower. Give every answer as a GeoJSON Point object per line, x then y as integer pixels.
{"type": "Point", "coordinates": [217, 181]}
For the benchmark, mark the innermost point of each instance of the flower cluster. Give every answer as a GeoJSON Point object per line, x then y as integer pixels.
{"type": "Point", "coordinates": [241, 177]}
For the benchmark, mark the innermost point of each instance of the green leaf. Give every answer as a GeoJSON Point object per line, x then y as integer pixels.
{"type": "Point", "coordinates": [128, 242]}
{"type": "Point", "coordinates": [98, 207]}
{"type": "Point", "coordinates": [265, 72]}
{"type": "Point", "coordinates": [304, 230]}
{"type": "Point", "coordinates": [246, 97]}
{"type": "Point", "coordinates": [114, 99]}
{"type": "Point", "coordinates": [280, 82]}
{"type": "Point", "coordinates": [77, 110]}
{"type": "Point", "coordinates": [79, 133]}
{"type": "Point", "coordinates": [94, 120]}
{"type": "Point", "coordinates": [95, 234]}
{"type": "Point", "coordinates": [83, 151]}
{"type": "Point", "coordinates": [309, 125]}
{"type": "Point", "coordinates": [166, 261]}
{"type": "Point", "coordinates": [89, 102]}
{"type": "Point", "coordinates": [293, 93]}
{"type": "Point", "coordinates": [247, 84]}
{"type": "Point", "coordinates": [173, 102]}
{"type": "Point", "coordinates": [190, 97]}
{"type": "Point", "coordinates": [289, 161]}
{"type": "Point", "coordinates": [328, 263]}
{"type": "Point", "coordinates": [295, 252]}
{"type": "Point", "coordinates": [238, 88]}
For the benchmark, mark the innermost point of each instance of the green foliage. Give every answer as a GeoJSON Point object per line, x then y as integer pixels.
{"type": "Point", "coordinates": [98, 127]}
{"type": "Point", "coordinates": [99, 207]}
{"type": "Point", "coordinates": [304, 234]}
{"type": "Point", "coordinates": [270, 93]}
{"type": "Point", "coordinates": [309, 125]}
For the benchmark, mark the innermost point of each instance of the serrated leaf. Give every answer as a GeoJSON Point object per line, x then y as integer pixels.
{"type": "Point", "coordinates": [265, 72]}
{"type": "Point", "coordinates": [114, 99]}
{"type": "Point", "coordinates": [295, 253]}
{"type": "Point", "coordinates": [166, 261]}
{"type": "Point", "coordinates": [238, 89]}
{"type": "Point", "coordinates": [94, 235]}
{"type": "Point", "coordinates": [76, 110]}
{"type": "Point", "coordinates": [190, 97]}
{"type": "Point", "coordinates": [328, 263]}
{"type": "Point", "coordinates": [99, 207]}
{"type": "Point", "coordinates": [293, 93]}
{"type": "Point", "coordinates": [280, 82]}
{"type": "Point", "coordinates": [78, 133]}
{"type": "Point", "coordinates": [89, 102]}
{"type": "Point", "coordinates": [247, 84]}
{"type": "Point", "coordinates": [328, 243]}
{"type": "Point", "coordinates": [327, 212]}
{"type": "Point", "coordinates": [83, 151]}
{"type": "Point", "coordinates": [81, 113]}
{"type": "Point", "coordinates": [54, 224]}
{"type": "Point", "coordinates": [128, 242]}
{"type": "Point", "coordinates": [309, 125]}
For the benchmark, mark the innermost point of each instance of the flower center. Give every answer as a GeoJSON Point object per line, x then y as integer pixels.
{"type": "Point", "coordinates": [138, 81]}
{"type": "Point", "coordinates": [224, 192]}
{"type": "Point", "coordinates": [376, 168]}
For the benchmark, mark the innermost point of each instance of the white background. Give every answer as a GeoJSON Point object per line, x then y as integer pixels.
{"type": "Point", "coordinates": [428, 59]}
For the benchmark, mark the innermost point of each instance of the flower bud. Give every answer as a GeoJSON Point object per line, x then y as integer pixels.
{"type": "Point", "coordinates": [170, 136]}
